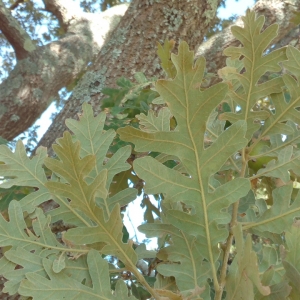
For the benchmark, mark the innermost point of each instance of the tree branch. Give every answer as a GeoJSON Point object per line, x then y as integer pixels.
{"type": "Point", "coordinates": [36, 80]}
{"type": "Point", "coordinates": [15, 34]}
{"type": "Point", "coordinates": [64, 10]}
{"type": "Point", "coordinates": [274, 11]}
{"type": "Point", "coordinates": [16, 4]}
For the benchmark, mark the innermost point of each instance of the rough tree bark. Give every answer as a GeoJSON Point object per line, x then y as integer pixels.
{"type": "Point", "coordinates": [132, 48]}
{"type": "Point", "coordinates": [41, 72]}
{"type": "Point", "coordinates": [129, 48]}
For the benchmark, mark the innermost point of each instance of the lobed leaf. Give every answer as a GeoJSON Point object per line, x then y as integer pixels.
{"type": "Point", "coordinates": [191, 108]}
{"type": "Point", "coordinates": [95, 141]}
{"type": "Point", "coordinates": [243, 274]}
{"type": "Point", "coordinates": [184, 251]}
{"type": "Point", "coordinates": [26, 247]}
{"type": "Point", "coordinates": [256, 63]}
{"type": "Point", "coordinates": [60, 286]}
{"type": "Point", "coordinates": [287, 160]}
{"type": "Point", "coordinates": [280, 215]}
{"type": "Point", "coordinates": [82, 197]}
{"type": "Point", "coordinates": [22, 170]}
{"type": "Point", "coordinates": [152, 123]}
{"type": "Point", "coordinates": [291, 261]}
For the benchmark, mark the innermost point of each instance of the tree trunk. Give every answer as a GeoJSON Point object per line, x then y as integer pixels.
{"type": "Point", "coordinates": [132, 48]}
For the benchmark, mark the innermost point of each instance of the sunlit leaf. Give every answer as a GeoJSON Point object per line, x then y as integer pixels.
{"type": "Point", "coordinates": [256, 63]}
{"type": "Point", "coordinates": [191, 107]}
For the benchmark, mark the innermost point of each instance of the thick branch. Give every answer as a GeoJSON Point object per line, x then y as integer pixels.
{"type": "Point", "coordinates": [63, 10]}
{"type": "Point", "coordinates": [15, 34]}
{"type": "Point", "coordinates": [36, 80]}
{"type": "Point", "coordinates": [132, 48]}
{"type": "Point", "coordinates": [16, 4]}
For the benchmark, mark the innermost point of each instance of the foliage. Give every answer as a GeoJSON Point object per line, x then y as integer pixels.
{"type": "Point", "coordinates": [226, 182]}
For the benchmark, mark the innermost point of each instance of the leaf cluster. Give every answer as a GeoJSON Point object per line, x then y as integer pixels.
{"type": "Point", "coordinates": [221, 161]}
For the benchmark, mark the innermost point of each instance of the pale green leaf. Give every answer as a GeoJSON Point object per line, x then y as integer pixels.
{"type": "Point", "coordinates": [285, 109]}
{"type": "Point", "coordinates": [60, 286]}
{"type": "Point", "coordinates": [291, 261]}
{"type": "Point", "coordinates": [110, 233]}
{"type": "Point", "coordinates": [294, 276]}
{"type": "Point", "coordinates": [191, 108]}
{"type": "Point", "coordinates": [142, 252]}
{"type": "Point", "coordinates": [59, 263]}
{"type": "Point", "coordinates": [243, 274]}
{"type": "Point", "coordinates": [29, 170]}
{"type": "Point", "coordinates": [194, 223]}
{"type": "Point", "coordinates": [292, 237]}
{"type": "Point", "coordinates": [152, 123]}
{"type": "Point", "coordinates": [287, 160]}
{"type": "Point", "coordinates": [30, 262]}
{"type": "Point", "coordinates": [280, 215]}
{"type": "Point", "coordinates": [25, 171]}
{"type": "Point", "coordinates": [276, 143]}
{"type": "Point", "coordinates": [96, 141]}
{"type": "Point", "coordinates": [106, 225]}
{"type": "Point", "coordinates": [293, 62]}
{"type": "Point", "coordinates": [7, 267]}
{"type": "Point", "coordinates": [186, 249]}
{"type": "Point", "coordinates": [89, 131]}
{"type": "Point", "coordinates": [15, 233]}
{"type": "Point", "coordinates": [256, 63]}
{"type": "Point", "coordinates": [279, 291]}
{"type": "Point", "coordinates": [74, 170]}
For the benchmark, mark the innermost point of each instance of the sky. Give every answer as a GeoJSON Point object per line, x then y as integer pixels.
{"type": "Point", "coordinates": [134, 215]}
{"type": "Point", "coordinates": [234, 8]}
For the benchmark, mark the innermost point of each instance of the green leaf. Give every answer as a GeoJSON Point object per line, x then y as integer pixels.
{"type": "Point", "coordinates": [291, 261]}
{"type": "Point", "coordinates": [60, 286]}
{"type": "Point", "coordinates": [22, 170]}
{"type": "Point", "coordinates": [293, 62]}
{"type": "Point", "coordinates": [186, 250]}
{"type": "Point", "coordinates": [152, 123]}
{"type": "Point", "coordinates": [280, 215]}
{"type": "Point", "coordinates": [256, 63]}
{"type": "Point", "coordinates": [142, 252]}
{"type": "Point", "coordinates": [191, 108]}
{"type": "Point", "coordinates": [22, 242]}
{"type": "Point", "coordinates": [287, 160]}
{"type": "Point", "coordinates": [110, 233]}
{"type": "Point", "coordinates": [74, 170]}
{"type": "Point", "coordinates": [16, 234]}
{"type": "Point", "coordinates": [164, 53]}
{"type": "Point", "coordinates": [243, 273]}
{"type": "Point", "coordinates": [95, 141]}
{"type": "Point", "coordinates": [59, 263]}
